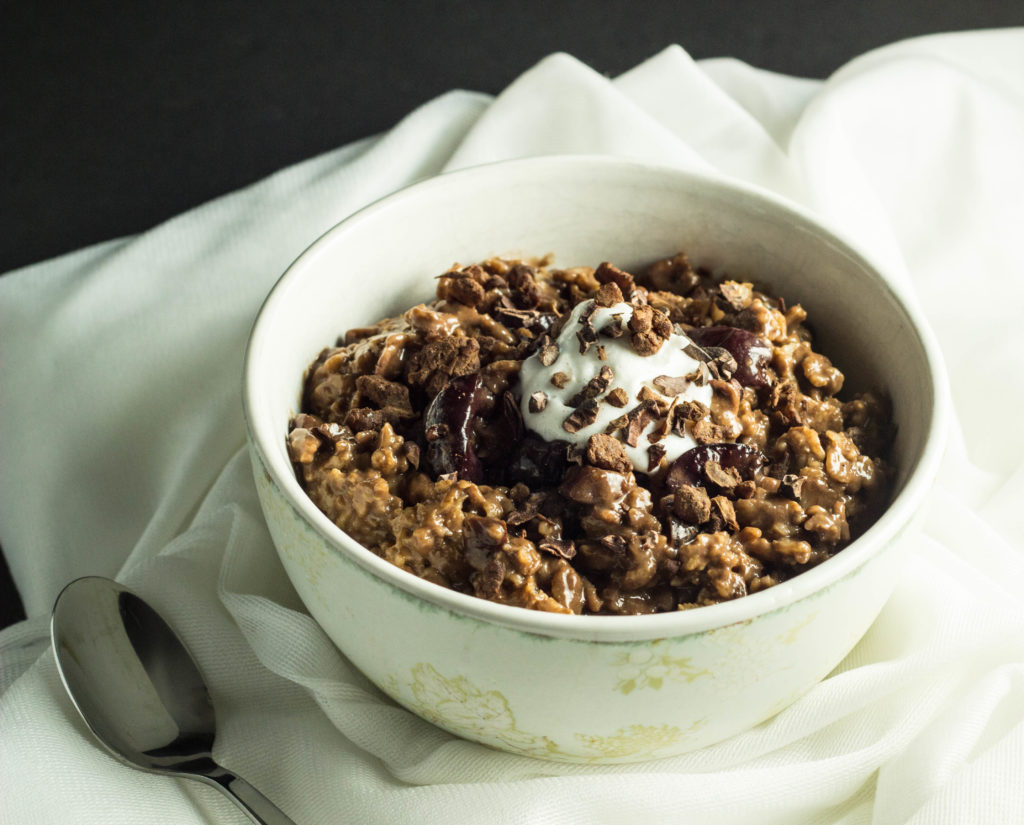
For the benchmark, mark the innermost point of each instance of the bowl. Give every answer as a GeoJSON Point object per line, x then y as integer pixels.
{"type": "Point", "coordinates": [588, 688]}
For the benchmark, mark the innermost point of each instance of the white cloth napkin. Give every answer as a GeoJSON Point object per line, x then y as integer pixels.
{"type": "Point", "coordinates": [121, 453]}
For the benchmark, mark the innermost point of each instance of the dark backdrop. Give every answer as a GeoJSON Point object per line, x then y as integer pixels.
{"type": "Point", "coordinates": [117, 116]}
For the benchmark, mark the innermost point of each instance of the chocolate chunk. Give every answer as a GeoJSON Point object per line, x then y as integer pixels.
{"type": "Point", "coordinates": [791, 485]}
{"type": "Point", "coordinates": [560, 379]}
{"type": "Point", "coordinates": [617, 397]}
{"type": "Point", "coordinates": [725, 477]}
{"type": "Point", "coordinates": [608, 295]}
{"type": "Point", "coordinates": [561, 548]}
{"type": "Point", "coordinates": [384, 393]}
{"type": "Point", "coordinates": [538, 401]}
{"type": "Point", "coordinates": [642, 319]}
{"type": "Point", "coordinates": [582, 417]}
{"type": "Point", "coordinates": [607, 452]}
{"type": "Point", "coordinates": [594, 387]}
{"type": "Point", "coordinates": [464, 289]}
{"type": "Point", "coordinates": [523, 284]}
{"type": "Point", "coordinates": [655, 453]}
{"type": "Point", "coordinates": [736, 296]}
{"type": "Point", "coordinates": [692, 504]}
{"type": "Point", "coordinates": [669, 385]}
{"type": "Point", "coordinates": [607, 273]}
{"type": "Point", "coordinates": [704, 432]}
{"type": "Point", "coordinates": [443, 359]}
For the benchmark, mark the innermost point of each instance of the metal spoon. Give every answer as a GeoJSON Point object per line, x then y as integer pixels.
{"type": "Point", "coordinates": [139, 690]}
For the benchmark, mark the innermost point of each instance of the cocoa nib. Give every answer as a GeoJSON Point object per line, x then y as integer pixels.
{"type": "Point", "coordinates": [617, 397]}
{"type": "Point", "coordinates": [791, 485]}
{"type": "Point", "coordinates": [594, 387]}
{"type": "Point", "coordinates": [655, 453]}
{"type": "Point", "coordinates": [607, 452]}
{"type": "Point", "coordinates": [547, 354]}
{"type": "Point", "coordinates": [582, 417]}
{"type": "Point", "coordinates": [538, 401]}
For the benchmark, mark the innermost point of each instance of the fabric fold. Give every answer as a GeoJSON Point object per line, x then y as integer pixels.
{"type": "Point", "coordinates": [137, 469]}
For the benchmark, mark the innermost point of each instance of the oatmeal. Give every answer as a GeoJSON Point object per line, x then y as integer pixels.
{"type": "Point", "coordinates": [585, 441]}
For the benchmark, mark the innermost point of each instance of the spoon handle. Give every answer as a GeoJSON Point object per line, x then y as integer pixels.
{"type": "Point", "coordinates": [260, 809]}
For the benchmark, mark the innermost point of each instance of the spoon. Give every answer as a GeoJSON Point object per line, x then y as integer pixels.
{"type": "Point", "coordinates": [139, 690]}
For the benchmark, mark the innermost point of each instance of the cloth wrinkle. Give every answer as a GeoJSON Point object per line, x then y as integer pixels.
{"type": "Point", "coordinates": [912, 151]}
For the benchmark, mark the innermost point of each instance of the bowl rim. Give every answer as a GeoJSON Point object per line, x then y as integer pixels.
{"type": "Point", "coordinates": [598, 628]}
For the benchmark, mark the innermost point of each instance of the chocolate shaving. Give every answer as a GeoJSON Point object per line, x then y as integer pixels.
{"type": "Point", "coordinates": [580, 418]}
{"type": "Point", "coordinates": [671, 385]}
{"type": "Point", "coordinates": [594, 387]}
{"type": "Point", "coordinates": [564, 549]}
{"type": "Point", "coordinates": [637, 420]}
{"type": "Point", "coordinates": [538, 401]}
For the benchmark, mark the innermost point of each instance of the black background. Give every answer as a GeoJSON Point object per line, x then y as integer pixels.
{"type": "Point", "coordinates": [117, 116]}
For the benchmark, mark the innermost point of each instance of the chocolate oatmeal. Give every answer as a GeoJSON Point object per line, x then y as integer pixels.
{"type": "Point", "coordinates": [592, 440]}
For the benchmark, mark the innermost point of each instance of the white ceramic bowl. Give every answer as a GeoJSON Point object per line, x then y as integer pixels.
{"type": "Point", "coordinates": [587, 688]}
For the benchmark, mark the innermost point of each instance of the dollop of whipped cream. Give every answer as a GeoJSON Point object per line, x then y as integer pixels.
{"type": "Point", "coordinates": [561, 382]}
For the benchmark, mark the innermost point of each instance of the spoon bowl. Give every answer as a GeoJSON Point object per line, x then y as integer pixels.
{"type": "Point", "coordinates": [139, 690]}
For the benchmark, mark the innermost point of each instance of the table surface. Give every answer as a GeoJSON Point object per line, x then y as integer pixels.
{"type": "Point", "coordinates": [123, 115]}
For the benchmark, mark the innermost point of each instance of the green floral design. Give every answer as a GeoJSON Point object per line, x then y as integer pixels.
{"type": "Point", "coordinates": [458, 705]}
{"type": "Point", "coordinates": [645, 668]}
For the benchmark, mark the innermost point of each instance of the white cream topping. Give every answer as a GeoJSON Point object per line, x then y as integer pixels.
{"type": "Point", "coordinates": [631, 372]}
